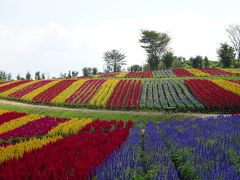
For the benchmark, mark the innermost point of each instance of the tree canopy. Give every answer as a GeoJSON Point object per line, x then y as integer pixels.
{"type": "Point", "coordinates": [155, 44]}
{"type": "Point", "coordinates": [225, 54]}
{"type": "Point", "coordinates": [114, 60]}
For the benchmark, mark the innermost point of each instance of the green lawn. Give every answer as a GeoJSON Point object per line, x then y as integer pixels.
{"type": "Point", "coordinates": [98, 114]}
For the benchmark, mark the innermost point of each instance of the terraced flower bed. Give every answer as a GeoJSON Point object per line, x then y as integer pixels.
{"type": "Point", "coordinates": [124, 94]}
{"type": "Point", "coordinates": [40, 147]}
{"type": "Point", "coordinates": [175, 72]}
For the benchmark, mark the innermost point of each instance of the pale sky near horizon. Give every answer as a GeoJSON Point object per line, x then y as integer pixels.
{"type": "Point", "coordinates": [55, 36]}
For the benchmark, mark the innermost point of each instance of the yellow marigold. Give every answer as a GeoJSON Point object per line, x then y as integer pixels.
{"type": "Point", "coordinates": [231, 70]}
{"type": "Point", "coordinates": [7, 83]}
{"type": "Point", "coordinates": [62, 97]}
{"type": "Point", "coordinates": [17, 150]}
{"type": "Point", "coordinates": [227, 85]}
{"type": "Point", "coordinates": [101, 98]}
{"type": "Point", "coordinates": [69, 127]}
{"type": "Point", "coordinates": [15, 123]}
{"type": "Point", "coordinates": [14, 89]}
{"type": "Point", "coordinates": [2, 111]}
{"type": "Point", "coordinates": [197, 72]}
{"type": "Point", "coordinates": [35, 92]}
{"type": "Point", "coordinates": [122, 74]}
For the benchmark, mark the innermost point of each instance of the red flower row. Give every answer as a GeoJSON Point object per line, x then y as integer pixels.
{"type": "Point", "coordinates": [21, 92]}
{"type": "Point", "coordinates": [126, 95]}
{"type": "Point", "coordinates": [212, 95]}
{"type": "Point", "coordinates": [34, 128]}
{"type": "Point", "coordinates": [215, 71]}
{"type": "Point", "coordinates": [83, 95]}
{"type": "Point", "coordinates": [139, 74]}
{"type": "Point", "coordinates": [53, 91]}
{"type": "Point", "coordinates": [9, 116]}
{"type": "Point", "coordinates": [74, 157]}
{"type": "Point", "coordinates": [12, 85]}
{"type": "Point", "coordinates": [108, 75]}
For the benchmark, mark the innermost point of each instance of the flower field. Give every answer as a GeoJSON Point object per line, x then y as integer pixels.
{"type": "Point", "coordinates": [26, 141]}
{"type": "Point", "coordinates": [192, 94]}
{"type": "Point", "coordinates": [175, 72]}
{"type": "Point", "coordinates": [158, 94]}
{"type": "Point", "coordinates": [41, 147]}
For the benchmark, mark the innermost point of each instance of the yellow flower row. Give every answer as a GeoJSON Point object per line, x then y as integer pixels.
{"type": "Point", "coordinates": [231, 70]}
{"type": "Point", "coordinates": [122, 74]}
{"type": "Point", "coordinates": [197, 72]}
{"type": "Point", "coordinates": [2, 111]}
{"type": "Point", "coordinates": [8, 83]}
{"type": "Point", "coordinates": [18, 122]}
{"type": "Point", "coordinates": [102, 96]}
{"type": "Point", "coordinates": [97, 75]}
{"type": "Point", "coordinates": [14, 89]}
{"type": "Point", "coordinates": [62, 97]}
{"type": "Point", "coordinates": [227, 85]}
{"type": "Point", "coordinates": [69, 127]}
{"type": "Point", "coordinates": [34, 93]}
{"type": "Point", "coordinates": [18, 150]}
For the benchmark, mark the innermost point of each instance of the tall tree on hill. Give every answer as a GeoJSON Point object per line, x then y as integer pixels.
{"type": "Point", "coordinates": [74, 74]}
{"type": "Point", "coordinates": [94, 71]}
{"type": "Point", "coordinates": [114, 60]}
{"type": "Point", "coordinates": [37, 75]}
{"type": "Point", "coordinates": [226, 54]}
{"type": "Point", "coordinates": [196, 62]}
{"type": "Point", "coordinates": [5, 76]}
{"type": "Point", "coordinates": [168, 59]}
{"type": "Point", "coordinates": [155, 44]}
{"type": "Point", "coordinates": [206, 62]}
{"type": "Point", "coordinates": [43, 76]}
{"type": "Point", "coordinates": [234, 35]}
{"type": "Point", "coordinates": [28, 76]}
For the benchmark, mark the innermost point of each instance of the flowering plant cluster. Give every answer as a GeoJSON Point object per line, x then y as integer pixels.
{"type": "Point", "coordinates": [56, 148]}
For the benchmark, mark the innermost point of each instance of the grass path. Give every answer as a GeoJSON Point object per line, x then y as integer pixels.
{"type": "Point", "coordinates": [96, 114]}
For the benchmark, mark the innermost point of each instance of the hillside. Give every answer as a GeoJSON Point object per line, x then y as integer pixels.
{"type": "Point", "coordinates": [200, 90]}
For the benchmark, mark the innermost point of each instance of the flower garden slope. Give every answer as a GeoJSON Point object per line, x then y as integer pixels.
{"type": "Point", "coordinates": [62, 97]}
{"type": "Point", "coordinates": [213, 96]}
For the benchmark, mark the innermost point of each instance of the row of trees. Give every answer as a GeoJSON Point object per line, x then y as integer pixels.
{"type": "Point", "coordinates": [160, 56]}
{"type": "Point", "coordinates": [38, 76]}
{"type": "Point", "coordinates": [5, 76]}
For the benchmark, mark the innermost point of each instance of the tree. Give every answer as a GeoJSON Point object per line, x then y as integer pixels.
{"type": "Point", "coordinates": [168, 59]}
{"type": "Point", "coordinates": [9, 77]}
{"type": "Point", "coordinates": [85, 71]}
{"type": "Point", "coordinates": [234, 35]}
{"type": "Point", "coordinates": [94, 71]}
{"type": "Point", "coordinates": [196, 62]}
{"type": "Point", "coordinates": [226, 54]}
{"type": "Point", "coordinates": [18, 77]}
{"type": "Point", "coordinates": [69, 74]}
{"type": "Point", "coordinates": [146, 67]}
{"type": "Point", "coordinates": [114, 60]}
{"type": "Point", "coordinates": [37, 75]}
{"type": "Point", "coordinates": [74, 74]}
{"type": "Point", "coordinates": [28, 76]}
{"type": "Point", "coordinates": [206, 62]}
{"type": "Point", "coordinates": [155, 44]}
{"type": "Point", "coordinates": [43, 76]}
{"type": "Point", "coordinates": [3, 76]}
{"type": "Point", "coordinates": [135, 68]}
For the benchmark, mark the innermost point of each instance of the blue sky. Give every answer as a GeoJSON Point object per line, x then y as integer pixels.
{"type": "Point", "coordinates": [55, 36]}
